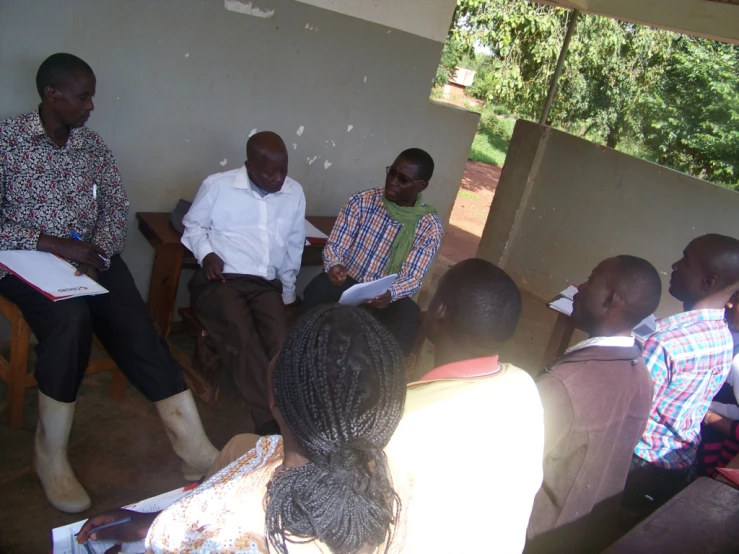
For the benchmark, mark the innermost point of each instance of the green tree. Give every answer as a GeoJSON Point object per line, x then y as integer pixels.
{"type": "Point", "coordinates": [673, 97]}
{"type": "Point", "coordinates": [691, 120]}
{"type": "Point", "coordinates": [451, 56]}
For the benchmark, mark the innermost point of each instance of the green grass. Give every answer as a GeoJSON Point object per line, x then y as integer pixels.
{"type": "Point", "coordinates": [492, 138]}
{"type": "Point", "coordinates": [467, 194]}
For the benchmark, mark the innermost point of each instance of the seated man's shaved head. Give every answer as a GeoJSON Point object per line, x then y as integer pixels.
{"type": "Point", "coordinates": [637, 281]}
{"type": "Point", "coordinates": [709, 268]}
{"type": "Point", "coordinates": [265, 143]}
{"type": "Point", "coordinates": [422, 160]}
{"type": "Point", "coordinates": [475, 309]}
{"type": "Point", "coordinates": [66, 85]}
{"type": "Point", "coordinates": [57, 68]}
{"type": "Point", "coordinates": [266, 161]}
{"type": "Point", "coordinates": [619, 294]}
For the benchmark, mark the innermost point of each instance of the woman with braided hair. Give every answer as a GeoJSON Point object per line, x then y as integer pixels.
{"type": "Point", "coordinates": [337, 389]}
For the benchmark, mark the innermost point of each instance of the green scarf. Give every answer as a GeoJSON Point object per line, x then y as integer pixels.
{"type": "Point", "coordinates": [409, 217]}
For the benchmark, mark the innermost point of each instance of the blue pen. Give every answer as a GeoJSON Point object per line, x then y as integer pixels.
{"type": "Point", "coordinates": [75, 236]}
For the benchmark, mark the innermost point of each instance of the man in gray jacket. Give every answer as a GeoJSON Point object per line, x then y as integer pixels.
{"type": "Point", "coordinates": [596, 402]}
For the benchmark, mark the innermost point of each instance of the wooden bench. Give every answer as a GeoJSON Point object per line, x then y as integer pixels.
{"type": "Point", "coordinates": [14, 369]}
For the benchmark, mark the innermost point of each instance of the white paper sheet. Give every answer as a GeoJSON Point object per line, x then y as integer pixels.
{"type": "Point", "coordinates": [362, 292]}
{"type": "Point", "coordinates": [64, 538]}
{"type": "Point", "coordinates": [50, 274]}
{"type": "Point", "coordinates": [569, 292]}
{"type": "Point", "coordinates": [646, 328]}
{"type": "Point", "coordinates": [312, 232]}
{"type": "Point", "coordinates": [562, 305]}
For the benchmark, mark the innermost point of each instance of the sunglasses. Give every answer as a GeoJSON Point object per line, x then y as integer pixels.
{"type": "Point", "coordinates": [402, 178]}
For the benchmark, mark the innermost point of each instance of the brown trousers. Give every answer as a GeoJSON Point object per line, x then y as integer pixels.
{"type": "Point", "coordinates": [245, 318]}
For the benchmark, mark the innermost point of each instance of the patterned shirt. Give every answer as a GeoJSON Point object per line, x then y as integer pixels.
{"type": "Point", "coordinates": [362, 237]}
{"type": "Point", "coordinates": [45, 189]}
{"type": "Point", "coordinates": [689, 358]}
{"type": "Point", "coordinates": [226, 514]}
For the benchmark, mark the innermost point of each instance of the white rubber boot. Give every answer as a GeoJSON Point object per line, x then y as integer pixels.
{"type": "Point", "coordinates": [185, 431]}
{"type": "Point", "coordinates": [62, 489]}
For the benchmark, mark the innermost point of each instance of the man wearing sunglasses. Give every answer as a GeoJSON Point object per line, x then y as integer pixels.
{"type": "Point", "coordinates": [381, 232]}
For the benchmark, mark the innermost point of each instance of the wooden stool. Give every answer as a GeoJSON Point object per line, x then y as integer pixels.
{"type": "Point", "coordinates": [14, 371]}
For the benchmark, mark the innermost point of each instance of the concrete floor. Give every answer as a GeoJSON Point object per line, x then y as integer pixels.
{"type": "Point", "coordinates": [121, 454]}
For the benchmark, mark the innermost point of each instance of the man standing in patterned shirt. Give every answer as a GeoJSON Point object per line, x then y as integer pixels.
{"type": "Point", "coordinates": [56, 178]}
{"type": "Point", "coordinates": [381, 232]}
{"type": "Point", "coordinates": [688, 358]}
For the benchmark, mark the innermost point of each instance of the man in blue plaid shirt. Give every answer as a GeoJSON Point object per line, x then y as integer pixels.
{"type": "Point", "coordinates": [688, 358]}
{"type": "Point", "coordinates": [379, 232]}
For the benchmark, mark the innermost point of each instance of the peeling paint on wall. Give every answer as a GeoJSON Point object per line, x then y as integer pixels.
{"type": "Point", "coordinates": [349, 128]}
{"type": "Point", "coordinates": [327, 164]}
{"type": "Point", "coordinates": [300, 130]}
{"type": "Point", "coordinates": [223, 162]}
{"type": "Point", "coordinates": [294, 146]}
{"type": "Point", "coordinates": [241, 6]}
{"type": "Point", "coordinates": [253, 132]}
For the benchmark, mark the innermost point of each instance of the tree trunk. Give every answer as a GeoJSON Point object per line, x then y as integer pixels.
{"type": "Point", "coordinates": [612, 140]}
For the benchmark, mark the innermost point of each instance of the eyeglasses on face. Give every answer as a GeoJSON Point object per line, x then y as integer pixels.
{"type": "Point", "coordinates": [402, 178]}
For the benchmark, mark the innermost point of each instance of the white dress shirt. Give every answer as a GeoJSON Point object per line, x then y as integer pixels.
{"type": "Point", "coordinates": [253, 233]}
{"type": "Point", "coordinates": [625, 342]}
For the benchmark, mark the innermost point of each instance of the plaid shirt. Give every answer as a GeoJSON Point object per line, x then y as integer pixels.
{"type": "Point", "coordinates": [689, 358]}
{"type": "Point", "coordinates": [361, 240]}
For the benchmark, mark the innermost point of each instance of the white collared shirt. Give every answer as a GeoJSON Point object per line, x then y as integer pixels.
{"type": "Point", "coordinates": [625, 342]}
{"type": "Point", "coordinates": [253, 234]}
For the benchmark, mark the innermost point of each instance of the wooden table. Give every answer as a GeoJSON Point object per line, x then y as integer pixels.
{"type": "Point", "coordinates": [171, 257]}
{"type": "Point", "coordinates": [702, 518]}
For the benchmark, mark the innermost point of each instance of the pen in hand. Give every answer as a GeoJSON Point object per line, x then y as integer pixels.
{"type": "Point", "coordinates": [75, 236]}
{"type": "Point", "coordinates": [108, 525]}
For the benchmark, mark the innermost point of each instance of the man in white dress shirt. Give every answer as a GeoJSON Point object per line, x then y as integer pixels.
{"type": "Point", "coordinates": [246, 228]}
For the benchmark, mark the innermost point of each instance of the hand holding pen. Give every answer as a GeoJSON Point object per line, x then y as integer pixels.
{"type": "Point", "coordinates": [116, 525]}
{"type": "Point", "coordinates": [82, 252]}
{"type": "Point", "coordinates": [105, 260]}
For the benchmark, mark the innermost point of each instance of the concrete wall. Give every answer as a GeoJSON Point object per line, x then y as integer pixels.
{"type": "Point", "coordinates": [563, 204]}
{"type": "Point", "coordinates": [181, 83]}
{"type": "Point", "coordinates": [426, 18]}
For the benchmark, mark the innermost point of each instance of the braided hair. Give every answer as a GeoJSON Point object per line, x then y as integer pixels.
{"type": "Point", "coordinates": [339, 384]}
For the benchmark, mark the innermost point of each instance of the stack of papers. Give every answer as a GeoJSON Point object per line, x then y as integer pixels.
{"type": "Point", "coordinates": [313, 235]}
{"type": "Point", "coordinates": [563, 304]}
{"type": "Point", "coordinates": [64, 539]}
{"type": "Point", "coordinates": [49, 274]}
{"type": "Point", "coordinates": [363, 292]}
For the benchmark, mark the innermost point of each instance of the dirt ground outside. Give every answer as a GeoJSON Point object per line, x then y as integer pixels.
{"type": "Point", "coordinates": [466, 223]}
{"type": "Point", "coordinates": [470, 211]}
